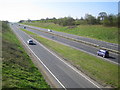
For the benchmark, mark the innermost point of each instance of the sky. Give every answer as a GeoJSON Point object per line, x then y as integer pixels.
{"type": "Point", "coordinates": [15, 10]}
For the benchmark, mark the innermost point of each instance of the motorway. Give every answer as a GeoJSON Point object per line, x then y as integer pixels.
{"type": "Point", "coordinates": [65, 74]}
{"type": "Point", "coordinates": [83, 47]}
{"type": "Point", "coordinates": [107, 45]}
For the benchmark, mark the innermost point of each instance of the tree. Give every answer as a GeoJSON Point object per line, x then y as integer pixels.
{"type": "Point", "coordinates": [119, 21]}
{"type": "Point", "coordinates": [115, 20]}
{"type": "Point", "coordinates": [70, 21]}
{"type": "Point", "coordinates": [81, 18]}
{"type": "Point", "coordinates": [21, 21]}
{"type": "Point", "coordinates": [102, 15]}
{"type": "Point", "coordinates": [111, 20]}
{"type": "Point", "coordinates": [29, 20]}
{"type": "Point", "coordinates": [90, 19]}
{"type": "Point", "coordinates": [98, 20]}
{"type": "Point", "coordinates": [66, 21]}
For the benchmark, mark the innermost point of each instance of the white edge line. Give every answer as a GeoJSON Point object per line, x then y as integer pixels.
{"type": "Point", "coordinates": [83, 50]}
{"type": "Point", "coordinates": [78, 40]}
{"type": "Point", "coordinates": [80, 50]}
{"type": "Point", "coordinates": [66, 63]}
{"type": "Point", "coordinates": [74, 38]}
{"type": "Point", "coordinates": [69, 65]}
{"type": "Point", "coordinates": [43, 63]}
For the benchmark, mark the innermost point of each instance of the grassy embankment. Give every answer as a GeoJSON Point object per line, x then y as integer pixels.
{"type": "Point", "coordinates": [102, 71]}
{"type": "Point", "coordinates": [18, 71]}
{"type": "Point", "coordinates": [99, 32]}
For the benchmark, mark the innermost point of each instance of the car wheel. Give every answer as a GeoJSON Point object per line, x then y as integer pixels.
{"type": "Point", "coordinates": [97, 54]}
{"type": "Point", "coordinates": [104, 56]}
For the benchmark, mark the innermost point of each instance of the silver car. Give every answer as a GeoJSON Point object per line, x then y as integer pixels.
{"type": "Point", "coordinates": [49, 30]}
{"type": "Point", "coordinates": [30, 42]}
{"type": "Point", "coordinates": [103, 53]}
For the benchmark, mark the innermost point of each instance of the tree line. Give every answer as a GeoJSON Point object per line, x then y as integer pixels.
{"type": "Point", "coordinates": [102, 19]}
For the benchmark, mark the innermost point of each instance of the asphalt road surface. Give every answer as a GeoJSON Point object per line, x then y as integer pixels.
{"type": "Point", "coordinates": [86, 48]}
{"type": "Point", "coordinates": [94, 41]}
{"type": "Point", "coordinates": [64, 73]}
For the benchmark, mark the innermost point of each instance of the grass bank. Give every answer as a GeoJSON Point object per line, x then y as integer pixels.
{"type": "Point", "coordinates": [18, 71]}
{"type": "Point", "coordinates": [99, 32]}
{"type": "Point", "coordinates": [102, 71]}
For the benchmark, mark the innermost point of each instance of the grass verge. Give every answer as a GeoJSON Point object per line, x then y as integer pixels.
{"type": "Point", "coordinates": [18, 71]}
{"type": "Point", "coordinates": [102, 71]}
{"type": "Point", "coordinates": [98, 32]}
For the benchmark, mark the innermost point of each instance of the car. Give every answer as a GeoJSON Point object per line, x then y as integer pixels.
{"type": "Point", "coordinates": [24, 27]}
{"type": "Point", "coordinates": [30, 42]}
{"type": "Point", "coordinates": [103, 53]}
{"type": "Point", "coordinates": [49, 30]}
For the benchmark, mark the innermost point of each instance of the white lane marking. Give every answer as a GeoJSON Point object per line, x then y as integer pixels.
{"type": "Point", "coordinates": [105, 59]}
{"type": "Point", "coordinates": [76, 39]}
{"type": "Point", "coordinates": [112, 50]}
{"type": "Point", "coordinates": [66, 63]}
{"type": "Point", "coordinates": [43, 63]}
{"type": "Point", "coordinates": [69, 66]}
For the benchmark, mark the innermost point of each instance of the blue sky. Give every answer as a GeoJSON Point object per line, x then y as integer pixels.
{"type": "Point", "coordinates": [78, 9]}
{"type": "Point", "coordinates": [15, 10]}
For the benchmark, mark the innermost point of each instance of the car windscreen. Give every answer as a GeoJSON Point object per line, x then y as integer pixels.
{"type": "Point", "coordinates": [30, 41]}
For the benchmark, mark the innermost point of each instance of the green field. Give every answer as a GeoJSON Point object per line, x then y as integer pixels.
{"type": "Point", "coordinates": [18, 71]}
{"type": "Point", "coordinates": [102, 71]}
{"type": "Point", "coordinates": [99, 32]}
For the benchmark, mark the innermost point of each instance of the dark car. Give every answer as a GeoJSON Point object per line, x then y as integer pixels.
{"type": "Point", "coordinates": [103, 53]}
{"type": "Point", "coordinates": [24, 27]}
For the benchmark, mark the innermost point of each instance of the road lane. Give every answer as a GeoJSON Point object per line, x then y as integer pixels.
{"type": "Point", "coordinates": [92, 50]}
{"type": "Point", "coordinates": [90, 40]}
{"type": "Point", "coordinates": [65, 74]}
